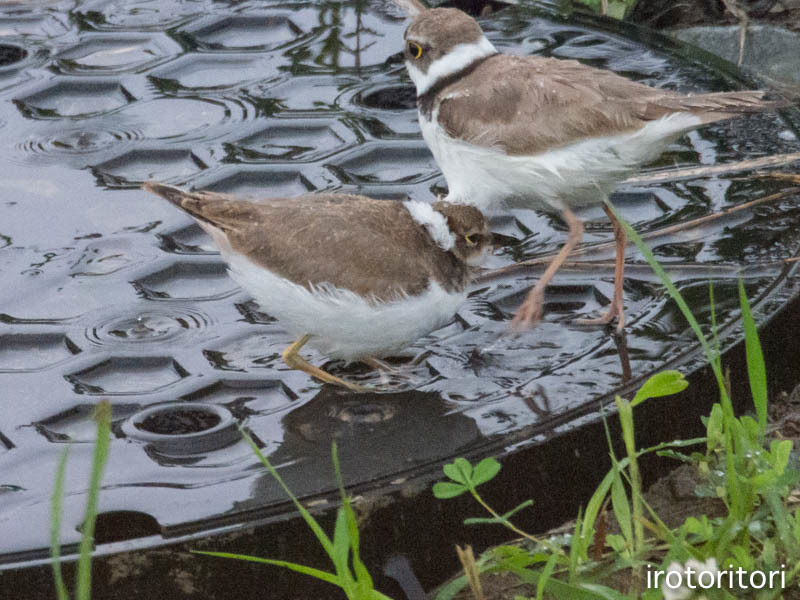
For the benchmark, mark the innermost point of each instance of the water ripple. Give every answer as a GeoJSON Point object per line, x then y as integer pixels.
{"type": "Point", "coordinates": [76, 144]}
{"type": "Point", "coordinates": [148, 326]}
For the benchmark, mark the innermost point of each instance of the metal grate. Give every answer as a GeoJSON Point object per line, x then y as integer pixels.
{"type": "Point", "coordinates": [111, 293]}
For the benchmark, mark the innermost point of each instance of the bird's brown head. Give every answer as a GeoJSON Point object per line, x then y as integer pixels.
{"type": "Point", "coordinates": [440, 42]}
{"type": "Point", "coordinates": [470, 228]}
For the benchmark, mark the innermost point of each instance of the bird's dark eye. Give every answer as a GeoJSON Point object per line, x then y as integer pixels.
{"type": "Point", "coordinates": [415, 50]}
{"type": "Point", "coordinates": [471, 240]}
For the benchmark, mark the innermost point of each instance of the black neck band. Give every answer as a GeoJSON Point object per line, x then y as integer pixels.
{"type": "Point", "coordinates": [425, 101]}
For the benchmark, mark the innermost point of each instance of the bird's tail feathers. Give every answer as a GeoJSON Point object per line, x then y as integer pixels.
{"type": "Point", "coordinates": [716, 106]}
{"type": "Point", "coordinates": [195, 203]}
{"type": "Point", "coordinates": [719, 106]}
{"type": "Point", "coordinates": [168, 192]}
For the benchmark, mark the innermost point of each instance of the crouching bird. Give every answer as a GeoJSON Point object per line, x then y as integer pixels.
{"type": "Point", "coordinates": [355, 277]}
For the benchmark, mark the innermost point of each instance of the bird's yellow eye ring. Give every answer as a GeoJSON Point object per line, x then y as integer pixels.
{"type": "Point", "coordinates": [415, 50]}
{"type": "Point", "coordinates": [470, 241]}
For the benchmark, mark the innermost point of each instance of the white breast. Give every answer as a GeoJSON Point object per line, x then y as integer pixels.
{"type": "Point", "coordinates": [343, 324]}
{"type": "Point", "coordinates": [578, 174]}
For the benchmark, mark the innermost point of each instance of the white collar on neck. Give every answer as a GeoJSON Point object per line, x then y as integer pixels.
{"type": "Point", "coordinates": [458, 58]}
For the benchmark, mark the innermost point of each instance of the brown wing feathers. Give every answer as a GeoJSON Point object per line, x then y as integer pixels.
{"type": "Point", "coordinates": [349, 241]}
{"type": "Point", "coordinates": [537, 103]}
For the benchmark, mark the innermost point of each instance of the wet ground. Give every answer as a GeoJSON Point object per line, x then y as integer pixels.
{"type": "Point", "coordinates": [108, 292]}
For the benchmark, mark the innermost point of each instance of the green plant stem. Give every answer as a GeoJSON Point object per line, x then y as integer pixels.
{"type": "Point", "coordinates": [735, 496]}
{"type": "Point", "coordinates": [321, 536]}
{"type": "Point", "coordinates": [628, 435]}
{"type": "Point", "coordinates": [55, 526]}
{"type": "Point", "coordinates": [99, 458]}
{"type": "Point", "coordinates": [502, 519]}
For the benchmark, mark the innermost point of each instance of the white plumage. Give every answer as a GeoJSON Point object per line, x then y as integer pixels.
{"type": "Point", "coordinates": [343, 324]}
{"type": "Point", "coordinates": [580, 174]}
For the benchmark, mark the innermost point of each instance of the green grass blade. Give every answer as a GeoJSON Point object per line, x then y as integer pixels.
{"type": "Point", "coordinates": [545, 577]}
{"type": "Point", "coordinates": [322, 575]}
{"type": "Point", "coordinates": [673, 444]}
{"type": "Point", "coordinates": [737, 500]}
{"type": "Point", "coordinates": [99, 458]}
{"type": "Point", "coordinates": [593, 507]}
{"type": "Point", "coordinates": [714, 335]}
{"type": "Point", "coordinates": [363, 577]}
{"type": "Point", "coordinates": [341, 545]}
{"type": "Point", "coordinates": [324, 540]}
{"type": "Point", "coordinates": [561, 589]}
{"type": "Point", "coordinates": [576, 548]}
{"type": "Point", "coordinates": [621, 508]}
{"type": "Point", "coordinates": [756, 369]}
{"type": "Point", "coordinates": [601, 591]}
{"type": "Point", "coordinates": [55, 525]}
{"type": "Point", "coordinates": [780, 517]}
{"type": "Point", "coordinates": [672, 291]}
{"type": "Point", "coordinates": [449, 590]}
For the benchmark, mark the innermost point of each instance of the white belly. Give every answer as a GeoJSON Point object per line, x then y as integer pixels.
{"type": "Point", "coordinates": [342, 324]}
{"type": "Point", "coordinates": [578, 174]}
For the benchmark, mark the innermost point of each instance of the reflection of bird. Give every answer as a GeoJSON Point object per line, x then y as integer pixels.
{"type": "Point", "coordinates": [548, 133]}
{"type": "Point", "coordinates": [357, 278]}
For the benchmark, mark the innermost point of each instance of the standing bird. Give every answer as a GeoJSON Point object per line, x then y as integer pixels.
{"type": "Point", "coordinates": [355, 277]}
{"type": "Point", "coordinates": [547, 133]}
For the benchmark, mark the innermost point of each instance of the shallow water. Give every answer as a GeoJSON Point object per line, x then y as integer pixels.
{"type": "Point", "coordinates": [109, 292]}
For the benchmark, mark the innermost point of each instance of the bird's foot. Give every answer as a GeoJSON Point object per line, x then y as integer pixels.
{"type": "Point", "coordinates": [396, 377]}
{"type": "Point", "coordinates": [294, 361]}
{"type": "Point", "coordinates": [615, 311]}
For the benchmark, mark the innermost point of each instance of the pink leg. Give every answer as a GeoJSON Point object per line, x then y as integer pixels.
{"type": "Point", "coordinates": [617, 307]}
{"type": "Point", "coordinates": [530, 313]}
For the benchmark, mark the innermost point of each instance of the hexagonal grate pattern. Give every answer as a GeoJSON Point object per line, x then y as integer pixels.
{"type": "Point", "coordinates": [34, 351]}
{"type": "Point", "coordinates": [127, 375]}
{"type": "Point", "coordinates": [255, 31]}
{"type": "Point", "coordinates": [111, 293]}
{"type": "Point", "coordinates": [187, 281]}
{"type": "Point", "coordinates": [297, 139]}
{"type": "Point", "coordinates": [138, 166]}
{"type": "Point", "coordinates": [75, 97]}
{"type": "Point", "coordinates": [200, 71]}
{"type": "Point", "coordinates": [387, 163]}
{"type": "Point", "coordinates": [116, 52]}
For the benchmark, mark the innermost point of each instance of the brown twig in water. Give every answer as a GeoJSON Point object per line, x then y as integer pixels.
{"type": "Point", "coordinates": [741, 14]}
{"type": "Point", "coordinates": [490, 274]}
{"type": "Point", "coordinates": [793, 177]}
{"type": "Point", "coordinates": [777, 160]}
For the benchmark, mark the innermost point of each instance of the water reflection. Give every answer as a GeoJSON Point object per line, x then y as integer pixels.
{"type": "Point", "coordinates": [371, 431]}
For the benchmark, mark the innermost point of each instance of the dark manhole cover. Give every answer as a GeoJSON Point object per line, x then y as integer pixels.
{"type": "Point", "coordinates": [110, 293]}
